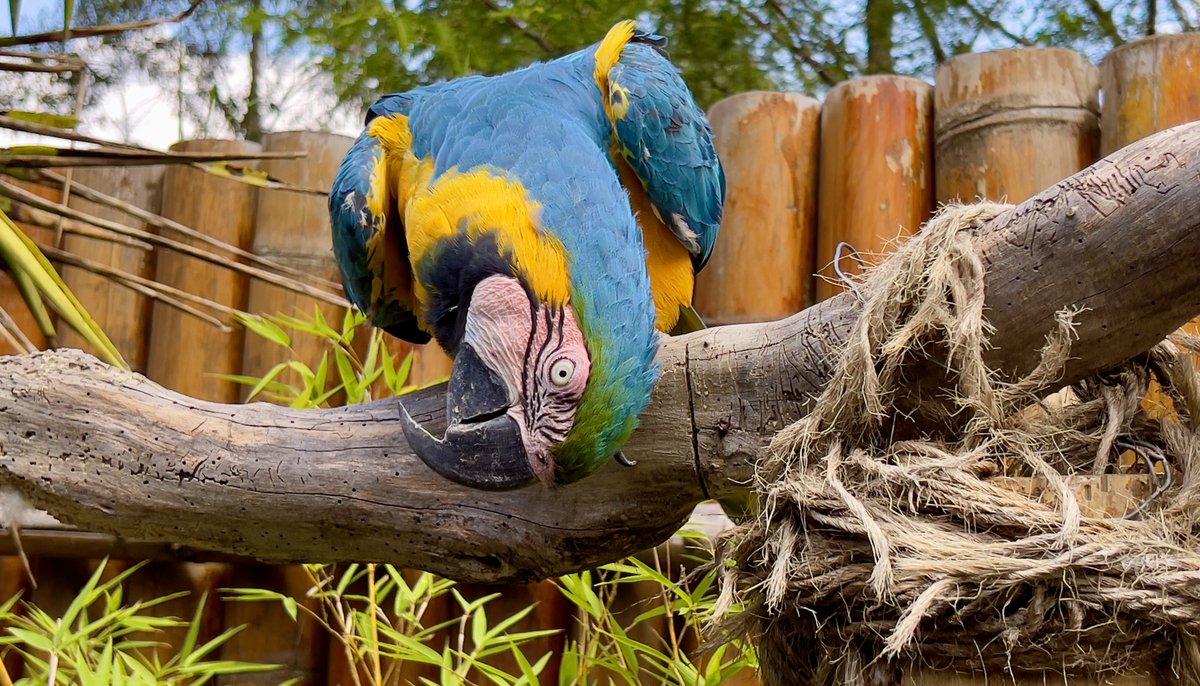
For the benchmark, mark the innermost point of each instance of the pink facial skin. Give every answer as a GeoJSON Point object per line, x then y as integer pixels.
{"type": "Point", "coordinates": [540, 356]}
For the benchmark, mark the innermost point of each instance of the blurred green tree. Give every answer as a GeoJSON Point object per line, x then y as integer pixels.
{"type": "Point", "coordinates": [354, 50]}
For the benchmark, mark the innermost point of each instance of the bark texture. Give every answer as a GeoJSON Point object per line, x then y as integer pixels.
{"type": "Point", "coordinates": [111, 451]}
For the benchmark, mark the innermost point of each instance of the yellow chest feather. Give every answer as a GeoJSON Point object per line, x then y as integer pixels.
{"type": "Point", "coordinates": [670, 266]}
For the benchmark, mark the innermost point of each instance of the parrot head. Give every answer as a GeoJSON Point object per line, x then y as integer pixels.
{"type": "Point", "coordinates": [530, 396]}
{"type": "Point", "coordinates": [552, 331]}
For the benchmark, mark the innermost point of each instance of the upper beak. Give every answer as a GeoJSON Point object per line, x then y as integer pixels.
{"type": "Point", "coordinates": [482, 447]}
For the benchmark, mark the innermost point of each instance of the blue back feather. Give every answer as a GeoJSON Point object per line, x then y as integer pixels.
{"type": "Point", "coordinates": [546, 127]}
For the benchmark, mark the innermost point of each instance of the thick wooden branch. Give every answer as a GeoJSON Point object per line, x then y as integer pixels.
{"type": "Point", "coordinates": [111, 451]}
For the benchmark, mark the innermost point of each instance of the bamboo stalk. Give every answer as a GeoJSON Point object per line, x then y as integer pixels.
{"type": "Point", "coordinates": [184, 354]}
{"type": "Point", "coordinates": [122, 310]}
{"type": "Point", "coordinates": [876, 178]}
{"type": "Point", "coordinates": [762, 265]}
{"type": "Point", "coordinates": [293, 230]}
{"type": "Point", "coordinates": [49, 220]}
{"type": "Point", "coordinates": [91, 31]}
{"type": "Point", "coordinates": [162, 223]}
{"type": "Point", "coordinates": [161, 292]}
{"type": "Point", "coordinates": [1010, 123]}
{"type": "Point", "coordinates": [17, 193]}
{"type": "Point", "coordinates": [124, 157]}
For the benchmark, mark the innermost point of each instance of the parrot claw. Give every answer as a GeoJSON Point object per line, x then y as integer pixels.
{"type": "Point", "coordinates": [624, 461]}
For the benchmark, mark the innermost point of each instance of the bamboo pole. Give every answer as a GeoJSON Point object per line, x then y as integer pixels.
{"type": "Point", "coordinates": [1149, 85]}
{"type": "Point", "coordinates": [762, 265]}
{"type": "Point", "coordinates": [1010, 123]}
{"type": "Point", "coordinates": [876, 176]}
{"type": "Point", "coordinates": [293, 229]}
{"type": "Point", "coordinates": [186, 354]}
{"type": "Point", "coordinates": [123, 313]}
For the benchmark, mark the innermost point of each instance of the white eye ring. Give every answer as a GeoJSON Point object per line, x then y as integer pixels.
{"type": "Point", "coordinates": [562, 371]}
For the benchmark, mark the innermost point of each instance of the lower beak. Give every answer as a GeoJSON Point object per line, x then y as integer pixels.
{"type": "Point", "coordinates": [482, 447]}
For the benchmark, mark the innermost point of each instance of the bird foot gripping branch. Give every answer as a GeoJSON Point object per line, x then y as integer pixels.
{"type": "Point", "coordinates": [543, 226]}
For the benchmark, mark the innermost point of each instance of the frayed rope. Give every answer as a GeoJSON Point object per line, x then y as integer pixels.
{"type": "Point", "coordinates": [888, 532]}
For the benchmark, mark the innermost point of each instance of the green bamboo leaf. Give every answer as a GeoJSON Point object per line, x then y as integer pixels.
{"type": "Point", "coordinates": [33, 300]}
{"type": "Point", "coordinates": [14, 12]}
{"type": "Point", "coordinates": [32, 639]}
{"type": "Point", "coordinates": [265, 328]}
{"type": "Point", "coordinates": [68, 306]}
{"type": "Point", "coordinates": [39, 150]}
{"type": "Point", "coordinates": [58, 121]}
{"type": "Point", "coordinates": [68, 18]}
{"type": "Point", "coordinates": [289, 606]}
{"type": "Point", "coordinates": [254, 177]}
{"type": "Point", "coordinates": [193, 632]}
{"type": "Point", "coordinates": [104, 664]}
{"type": "Point", "coordinates": [23, 256]}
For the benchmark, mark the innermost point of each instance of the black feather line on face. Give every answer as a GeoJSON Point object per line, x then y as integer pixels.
{"type": "Point", "coordinates": [452, 271]}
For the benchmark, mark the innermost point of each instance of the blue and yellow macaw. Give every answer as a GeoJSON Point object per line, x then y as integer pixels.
{"type": "Point", "coordinates": [543, 225]}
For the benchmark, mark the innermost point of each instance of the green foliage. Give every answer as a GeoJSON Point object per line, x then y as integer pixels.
{"type": "Point", "coordinates": [364, 48]}
{"type": "Point", "coordinates": [40, 284]}
{"type": "Point", "coordinates": [383, 618]}
{"type": "Point", "coordinates": [381, 615]}
{"type": "Point", "coordinates": [606, 641]}
{"type": "Point", "coordinates": [382, 621]}
{"type": "Point", "coordinates": [100, 640]}
{"type": "Point", "coordinates": [371, 47]}
{"type": "Point", "coordinates": [340, 369]}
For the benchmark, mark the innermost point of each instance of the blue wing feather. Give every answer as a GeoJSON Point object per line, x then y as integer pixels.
{"type": "Point", "coordinates": [666, 139]}
{"type": "Point", "coordinates": [358, 230]}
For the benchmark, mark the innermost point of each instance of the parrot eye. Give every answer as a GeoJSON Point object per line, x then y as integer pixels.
{"type": "Point", "coordinates": [562, 371]}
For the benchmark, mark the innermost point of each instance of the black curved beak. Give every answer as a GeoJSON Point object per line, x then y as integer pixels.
{"type": "Point", "coordinates": [482, 447]}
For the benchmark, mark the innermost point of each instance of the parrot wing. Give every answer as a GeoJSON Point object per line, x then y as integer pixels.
{"type": "Point", "coordinates": [663, 135]}
{"type": "Point", "coordinates": [368, 229]}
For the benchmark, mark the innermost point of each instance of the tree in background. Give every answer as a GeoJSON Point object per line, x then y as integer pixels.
{"type": "Point", "coordinates": [241, 65]}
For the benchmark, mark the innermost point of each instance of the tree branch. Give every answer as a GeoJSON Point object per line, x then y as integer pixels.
{"type": "Point", "coordinates": [986, 19]}
{"type": "Point", "coordinates": [92, 31]}
{"type": "Point", "coordinates": [797, 49]}
{"type": "Point", "coordinates": [1104, 19]}
{"type": "Point", "coordinates": [110, 451]}
{"type": "Point", "coordinates": [1185, 23]}
{"type": "Point", "coordinates": [929, 30]}
{"type": "Point", "coordinates": [522, 27]}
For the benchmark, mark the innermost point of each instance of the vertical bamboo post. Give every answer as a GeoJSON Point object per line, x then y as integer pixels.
{"type": "Point", "coordinates": [1010, 123]}
{"type": "Point", "coordinates": [122, 313]}
{"type": "Point", "coordinates": [876, 177]}
{"type": "Point", "coordinates": [293, 230]}
{"type": "Point", "coordinates": [1149, 85]}
{"type": "Point", "coordinates": [186, 353]}
{"type": "Point", "coordinates": [762, 265]}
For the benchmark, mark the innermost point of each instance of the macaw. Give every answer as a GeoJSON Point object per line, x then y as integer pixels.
{"type": "Point", "coordinates": [543, 226]}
